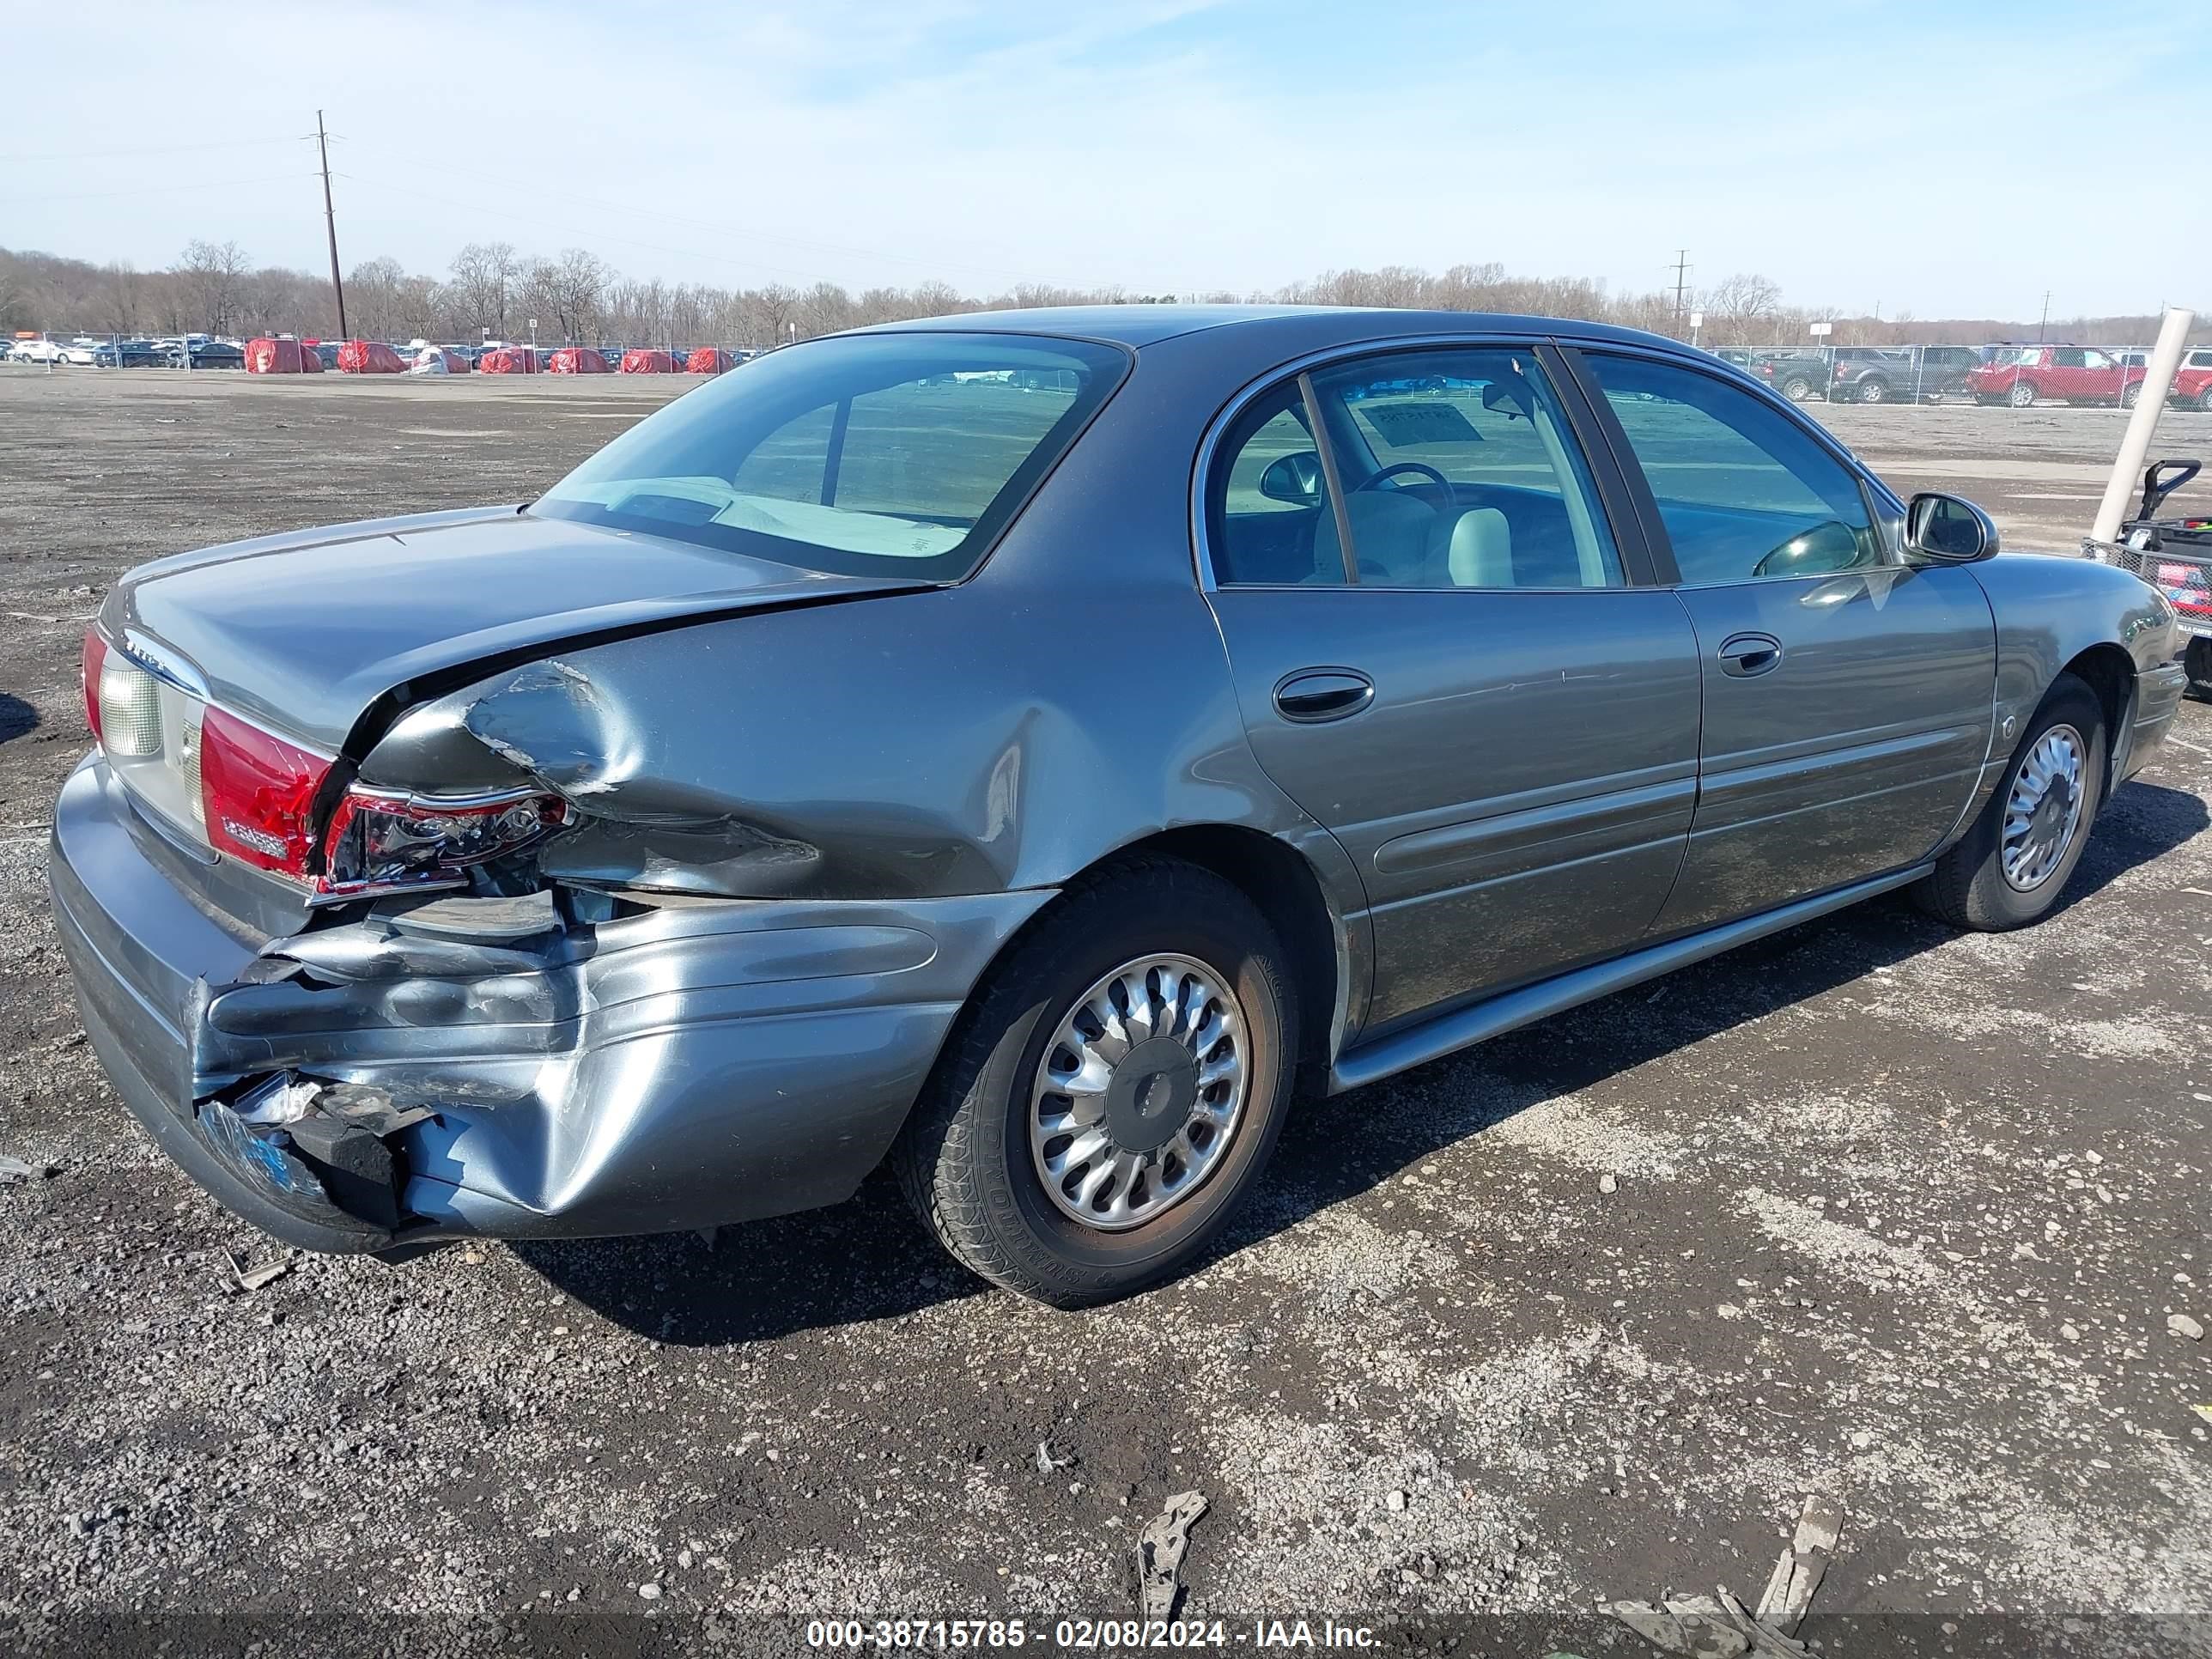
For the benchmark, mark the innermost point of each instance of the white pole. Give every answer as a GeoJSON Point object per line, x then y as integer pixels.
{"type": "Point", "coordinates": [2158, 383]}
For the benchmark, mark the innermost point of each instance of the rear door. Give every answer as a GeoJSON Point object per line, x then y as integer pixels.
{"type": "Point", "coordinates": [1443, 654]}
{"type": "Point", "coordinates": [1848, 698]}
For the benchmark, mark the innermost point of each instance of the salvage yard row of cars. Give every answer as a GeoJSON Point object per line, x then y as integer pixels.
{"type": "Point", "coordinates": [169, 352]}
{"type": "Point", "coordinates": [2019, 375]}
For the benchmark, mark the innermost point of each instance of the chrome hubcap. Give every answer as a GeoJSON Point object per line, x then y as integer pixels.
{"type": "Point", "coordinates": [2044, 808]}
{"type": "Point", "coordinates": [1139, 1092]}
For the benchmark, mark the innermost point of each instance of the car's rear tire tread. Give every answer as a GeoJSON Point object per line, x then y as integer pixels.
{"type": "Point", "coordinates": [936, 1160]}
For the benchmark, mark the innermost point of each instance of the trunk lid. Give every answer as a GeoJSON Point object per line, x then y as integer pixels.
{"type": "Point", "coordinates": [300, 633]}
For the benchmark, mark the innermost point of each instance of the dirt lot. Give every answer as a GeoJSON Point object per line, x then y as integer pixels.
{"type": "Point", "coordinates": [1867, 1210]}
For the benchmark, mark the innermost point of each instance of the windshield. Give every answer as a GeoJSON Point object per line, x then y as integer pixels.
{"type": "Point", "coordinates": [896, 455]}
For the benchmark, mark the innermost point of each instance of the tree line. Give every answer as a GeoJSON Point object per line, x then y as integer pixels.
{"type": "Point", "coordinates": [494, 287]}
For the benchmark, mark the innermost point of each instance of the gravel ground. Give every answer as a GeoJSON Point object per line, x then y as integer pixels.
{"type": "Point", "coordinates": [1868, 1211]}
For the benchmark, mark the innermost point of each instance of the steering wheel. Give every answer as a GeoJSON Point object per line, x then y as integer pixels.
{"type": "Point", "coordinates": [1395, 469]}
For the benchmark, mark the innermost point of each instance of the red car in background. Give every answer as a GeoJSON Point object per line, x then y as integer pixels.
{"type": "Point", "coordinates": [2021, 375]}
{"type": "Point", "coordinates": [2192, 381]}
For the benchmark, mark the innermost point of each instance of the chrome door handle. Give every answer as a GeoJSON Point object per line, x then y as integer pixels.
{"type": "Point", "coordinates": [1743, 655]}
{"type": "Point", "coordinates": [1314, 695]}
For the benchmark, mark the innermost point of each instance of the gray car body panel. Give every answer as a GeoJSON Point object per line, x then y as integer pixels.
{"type": "Point", "coordinates": [808, 814]}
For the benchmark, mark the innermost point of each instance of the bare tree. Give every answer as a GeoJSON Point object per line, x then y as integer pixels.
{"type": "Point", "coordinates": [1742, 310]}
{"type": "Point", "coordinates": [210, 277]}
{"type": "Point", "coordinates": [485, 275]}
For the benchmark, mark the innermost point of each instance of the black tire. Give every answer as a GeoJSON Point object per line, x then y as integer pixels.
{"type": "Point", "coordinates": [964, 1159]}
{"type": "Point", "coordinates": [2131, 395]}
{"type": "Point", "coordinates": [2197, 662]}
{"type": "Point", "coordinates": [2205, 400]}
{"type": "Point", "coordinates": [1797, 388]}
{"type": "Point", "coordinates": [1968, 887]}
{"type": "Point", "coordinates": [2022, 395]}
{"type": "Point", "coordinates": [1872, 390]}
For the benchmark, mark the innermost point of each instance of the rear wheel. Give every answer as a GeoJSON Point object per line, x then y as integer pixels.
{"type": "Point", "coordinates": [2009, 868]}
{"type": "Point", "coordinates": [1796, 388]}
{"type": "Point", "coordinates": [2132, 396]}
{"type": "Point", "coordinates": [1114, 1090]}
{"type": "Point", "coordinates": [2204, 399]}
{"type": "Point", "coordinates": [1873, 391]}
{"type": "Point", "coordinates": [2022, 396]}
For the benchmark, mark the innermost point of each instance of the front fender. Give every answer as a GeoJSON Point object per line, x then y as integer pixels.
{"type": "Point", "coordinates": [2049, 611]}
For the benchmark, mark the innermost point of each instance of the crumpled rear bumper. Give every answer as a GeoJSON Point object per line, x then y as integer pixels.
{"type": "Point", "coordinates": [681, 1067]}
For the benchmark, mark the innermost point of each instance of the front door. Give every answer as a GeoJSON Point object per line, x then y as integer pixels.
{"type": "Point", "coordinates": [1440, 657]}
{"type": "Point", "coordinates": [1848, 698]}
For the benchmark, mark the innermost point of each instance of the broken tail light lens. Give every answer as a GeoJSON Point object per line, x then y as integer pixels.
{"type": "Point", "coordinates": [258, 792]}
{"type": "Point", "coordinates": [382, 842]}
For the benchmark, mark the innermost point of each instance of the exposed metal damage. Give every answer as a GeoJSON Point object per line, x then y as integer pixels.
{"type": "Point", "coordinates": [564, 1063]}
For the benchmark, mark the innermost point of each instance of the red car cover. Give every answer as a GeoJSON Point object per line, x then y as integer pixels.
{"type": "Point", "coordinates": [648, 363]}
{"type": "Point", "coordinates": [455, 363]}
{"type": "Point", "coordinates": [310, 360]}
{"type": "Point", "coordinates": [368, 357]}
{"type": "Point", "coordinates": [276, 357]}
{"type": "Point", "coordinates": [508, 360]}
{"type": "Point", "coordinates": [576, 360]}
{"type": "Point", "coordinates": [707, 360]}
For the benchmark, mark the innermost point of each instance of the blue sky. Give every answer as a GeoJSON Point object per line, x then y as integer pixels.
{"type": "Point", "coordinates": [1945, 158]}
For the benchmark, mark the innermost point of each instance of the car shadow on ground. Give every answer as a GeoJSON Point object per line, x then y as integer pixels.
{"type": "Point", "coordinates": [868, 1259]}
{"type": "Point", "coordinates": [16, 717]}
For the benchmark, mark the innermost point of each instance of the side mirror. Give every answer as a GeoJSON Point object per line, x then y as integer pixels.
{"type": "Point", "coordinates": [1947, 530]}
{"type": "Point", "coordinates": [1295, 478]}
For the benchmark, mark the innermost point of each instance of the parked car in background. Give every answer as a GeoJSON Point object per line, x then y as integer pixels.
{"type": "Point", "coordinates": [326, 354]}
{"type": "Point", "coordinates": [1796, 375]}
{"type": "Point", "coordinates": [2025, 375]}
{"type": "Point", "coordinates": [408, 897]}
{"type": "Point", "coordinates": [129, 354]}
{"type": "Point", "coordinates": [1870, 374]}
{"type": "Point", "coordinates": [209, 353]}
{"type": "Point", "coordinates": [37, 351]}
{"type": "Point", "coordinates": [2192, 381]}
{"type": "Point", "coordinates": [78, 353]}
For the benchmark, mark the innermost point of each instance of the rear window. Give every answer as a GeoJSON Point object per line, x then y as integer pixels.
{"type": "Point", "coordinates": [900, 454]}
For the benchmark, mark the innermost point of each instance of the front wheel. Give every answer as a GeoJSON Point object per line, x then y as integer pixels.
{"type": "Point", "coordinates": [2204, 399]}
{"type": "Point", "coordinates": [1114, 1090]}
{"type": "Point", "coordinates": [2132, 396]}
{"type": "Point", "coordinates": [2009, 870]}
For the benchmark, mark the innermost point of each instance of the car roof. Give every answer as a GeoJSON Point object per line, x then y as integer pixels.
{"type": "Point", "coordinates": [1139, 325]}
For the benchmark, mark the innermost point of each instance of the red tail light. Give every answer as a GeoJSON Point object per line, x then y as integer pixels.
{"type": "Point", "coordinates": [259, 793]}
{"type": "Point", "coordinates": [96, 655]}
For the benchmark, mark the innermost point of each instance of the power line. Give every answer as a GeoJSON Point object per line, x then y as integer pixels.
{"type": "Point", "coordinates": [158, 189]}
{"type": "Point", "coordinates": [143, 149]}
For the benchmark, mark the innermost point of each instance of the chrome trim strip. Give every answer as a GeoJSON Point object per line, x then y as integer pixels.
{"type": "Point", "coordinates": [149, 656]}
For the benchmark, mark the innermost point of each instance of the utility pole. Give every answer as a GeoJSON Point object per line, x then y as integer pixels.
{"type": "Point", "coordinates": [2045, 321]}
{"type": "Point", "coordinates": [1682, 281]}
{"type": "Point", "coordinates": [331, 222]}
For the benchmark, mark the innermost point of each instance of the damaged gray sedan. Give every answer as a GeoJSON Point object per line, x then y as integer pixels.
{"type": "Point", "coordinates": [1026, 748]}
